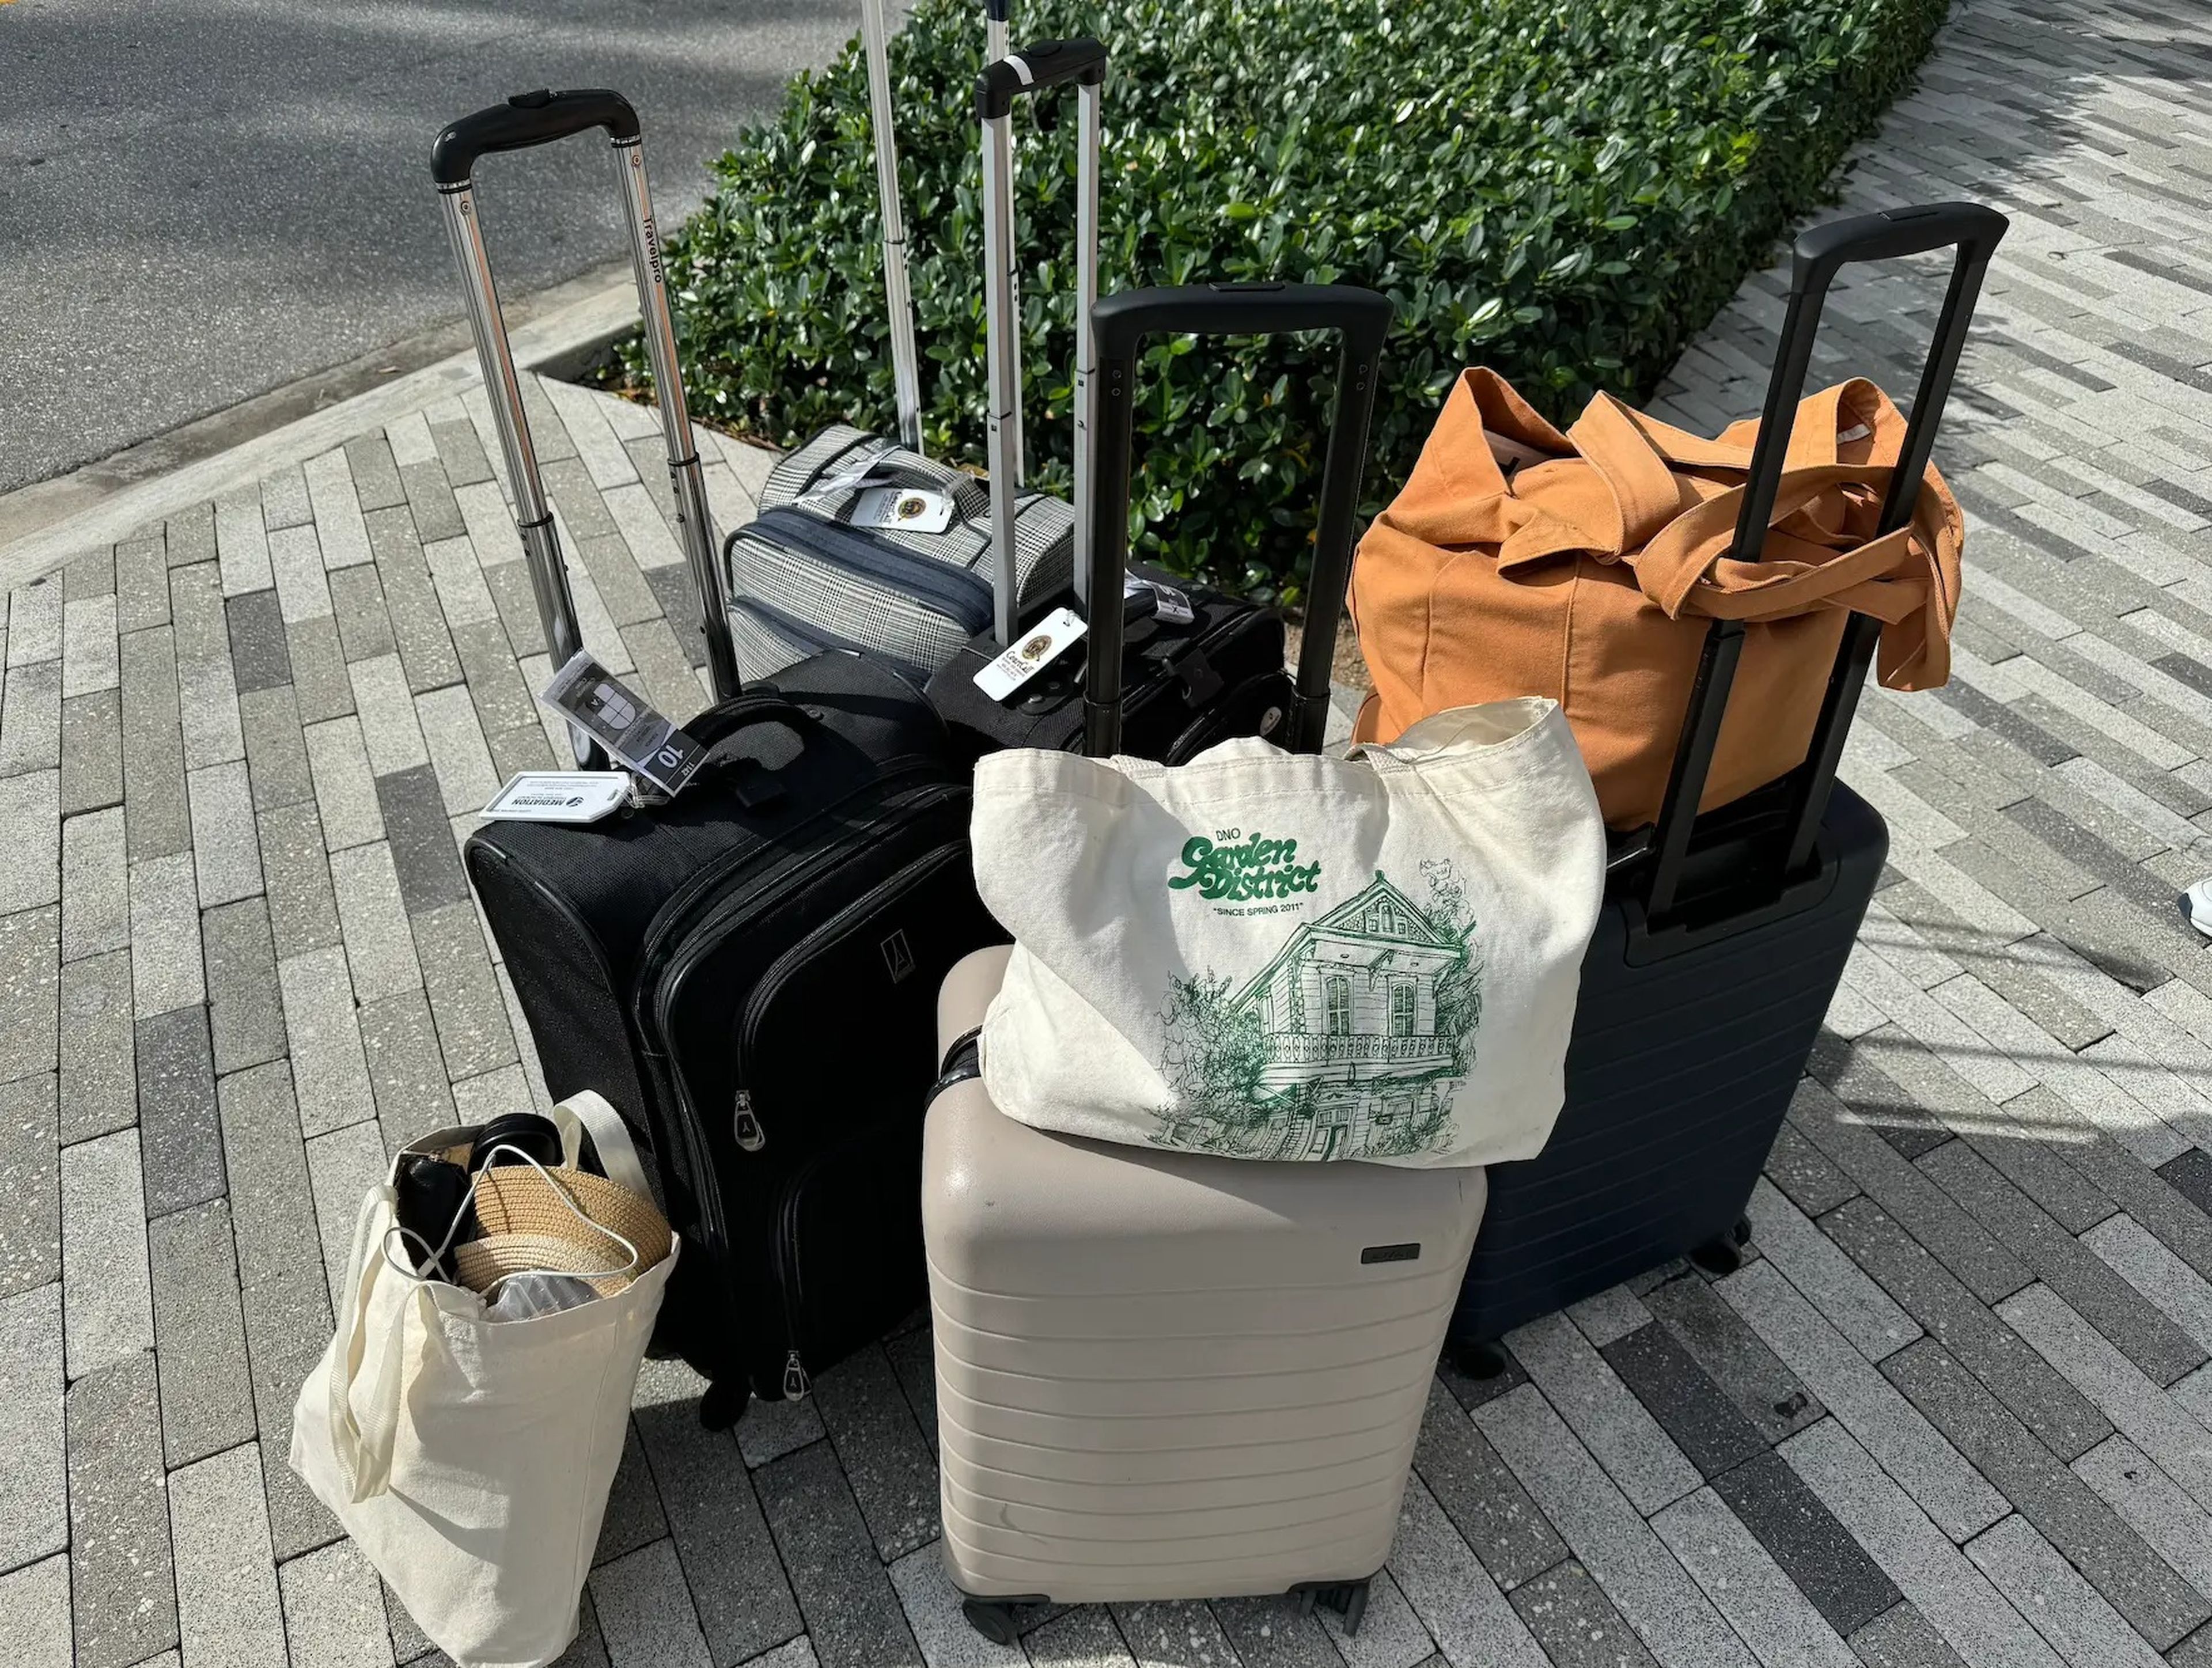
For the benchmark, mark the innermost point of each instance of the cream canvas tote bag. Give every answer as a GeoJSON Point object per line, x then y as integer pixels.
{"type": "Point", "coordinates": [471, 1459]}
{"type": "Point", "coordinates": [1269, 956]}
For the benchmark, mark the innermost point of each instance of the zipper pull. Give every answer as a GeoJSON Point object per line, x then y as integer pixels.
{"type": "Point", "coordinates": [745, 1126]}
{"type": "Point", "coordinates": [795, 1382]}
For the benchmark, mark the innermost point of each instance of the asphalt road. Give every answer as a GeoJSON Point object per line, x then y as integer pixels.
{"type": "Point", "coordinates": [201, 200]}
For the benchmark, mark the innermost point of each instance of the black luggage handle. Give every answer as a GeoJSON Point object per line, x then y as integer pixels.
{"type": "Point", "coordinates": [1119, 323]}
{"type": "Point", "coordinates": [1818, 255]}
{"type": "Point", "coordinates": [1041, 64]}
{"type": "Point", "coordinates": [528, 119]}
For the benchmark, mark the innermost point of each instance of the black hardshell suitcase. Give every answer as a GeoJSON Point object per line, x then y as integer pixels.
{"type": "Point", "coordinates": [748, 973]}
{"type": "Point", "coordinates": [1723, 937]}
{"type": "Point", "coordinates": [1187, 685]}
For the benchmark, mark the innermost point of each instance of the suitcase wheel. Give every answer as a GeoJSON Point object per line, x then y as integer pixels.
{"type": "Point", "coordinates": [1347, 1599]}
{"type": "Point", "coordinates": [994, 1621]}
{"type": "Point", "coordinates": [724, 1403]}
{"type": "Point", "coordinates": [1479, 1358]}
{"type": "Point", "coordinates": [1724, 1255]}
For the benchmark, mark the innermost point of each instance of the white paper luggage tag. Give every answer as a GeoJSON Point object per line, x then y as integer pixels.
{"type": "Point", "coordinates": [909, 509]}
{"type": "Point", "coordinates": [1038, 648]}
{"type": "Point", "coordinates": [587, 694]}
{"type": "Point", "coordinates": [559, 795]}
{"type": "Point", "coordinates": [1171, 604]}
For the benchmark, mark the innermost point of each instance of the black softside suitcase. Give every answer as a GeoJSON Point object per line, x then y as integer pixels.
{"type": "Point", "coordinates": [1723, 937]}
{"type": "Point", "coordinates": [748, 973]}
{"type": "Point", "coordinates": [1187, 685]}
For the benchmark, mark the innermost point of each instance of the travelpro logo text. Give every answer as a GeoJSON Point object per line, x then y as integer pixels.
{"type": "Point", "coordinates": [1231, 868]}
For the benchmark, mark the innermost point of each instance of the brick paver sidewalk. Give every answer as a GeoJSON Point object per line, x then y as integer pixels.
{"type": "Point", "coordinates": [1958, 1409]}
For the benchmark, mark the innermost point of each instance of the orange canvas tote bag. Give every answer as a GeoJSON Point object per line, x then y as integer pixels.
{"type": "Point", "coordinates": [1588, 566]}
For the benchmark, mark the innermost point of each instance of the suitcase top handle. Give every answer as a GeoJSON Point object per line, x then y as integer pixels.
{"type": "Point", "coordinates": [1046, 64]}
{"type": "Point", "coordinates": [1118, 323]}
{"type": "Point", "coordinates": [528, 119]}
{"type": "Point", "coordinates": [1819, 254]}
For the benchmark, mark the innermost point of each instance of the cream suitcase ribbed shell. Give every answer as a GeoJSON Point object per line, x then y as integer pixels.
{"type": "Point", "coordinates": [1164, 1375]}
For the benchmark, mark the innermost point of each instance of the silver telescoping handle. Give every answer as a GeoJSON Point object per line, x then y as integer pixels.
{"type": "Point", "coordinates": [997, 44]}
{"type": "Point", "coordinates": [535, 119]}
{"type": "Point", "coordinates": [898, 297]}
{"type": "Point", "coordinates": [1004, 82]}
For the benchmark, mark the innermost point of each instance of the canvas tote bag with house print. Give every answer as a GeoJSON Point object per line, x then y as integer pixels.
{"type": "Point", "coordinates": [1266, 955]}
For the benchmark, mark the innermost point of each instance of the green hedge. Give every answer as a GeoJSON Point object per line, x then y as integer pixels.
{"type": "Point", "coordinates": [1566, 190]}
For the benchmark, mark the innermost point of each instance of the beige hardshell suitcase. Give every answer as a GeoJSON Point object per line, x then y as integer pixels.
{"type": "Point", "coordinates": [1164, 1375]}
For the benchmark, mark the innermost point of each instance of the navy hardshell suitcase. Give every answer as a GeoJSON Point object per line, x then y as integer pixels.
{"type": "Point", "coordinates": [1723, 937]}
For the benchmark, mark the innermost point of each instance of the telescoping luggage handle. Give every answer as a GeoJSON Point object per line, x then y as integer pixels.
{"type": "Point", "coordinates": [1819, 254]}
{"type": "Point", "coordinates": [525, 121]}
{"type": "Point", "coordinates": [1047, 64]}
{"type": "Point", "coordinates": [1119, 323]}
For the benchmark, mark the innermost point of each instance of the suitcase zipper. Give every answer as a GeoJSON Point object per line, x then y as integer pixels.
{"type": "Point", "coordinates": [961, 596]}
{"type": "Point", "coordinates": [814, 639]}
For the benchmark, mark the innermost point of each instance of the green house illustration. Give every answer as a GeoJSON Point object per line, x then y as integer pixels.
{"type": "Point", "coordinates": [1346, 1045]}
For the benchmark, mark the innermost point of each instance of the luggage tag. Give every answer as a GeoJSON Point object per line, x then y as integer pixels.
{"type": "Point", "coordinates": [588, 695]}
{"type": "Point", "coordinates": [559, 795]}
{"type": "Point", "coordinates": [1038, 648]}
{"type": "Point", "coordinates": [909, 509]}
{"type": "Point", "coordinates": [1169, 604]}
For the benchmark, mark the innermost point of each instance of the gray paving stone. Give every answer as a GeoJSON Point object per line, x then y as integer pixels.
{"type": "Point", "coordinates": [106, 1295]}
{"type": "Point", "coordinates": [197, 618]}
{"type": "Point", "coordinates": [34, 1613]}
{"type": "Point", "coordinates": [743, 1605]}
{"type": "Point", "coordinates": [91, 751]}
{"type": "Point", "coordinates": [770, 1430]}
{"type": "Point", "coordinates": [30, 1180]}
{"type": "Point", "coordinates": [345, 790]}
{"type": "Point", "coordinates": [328, 1064]}
{"type": "Point", "coordinates": [165, 964]}
{"type": "Point", "coordinates": [224, 843]}
{"type": "Point", "coordinates": [2156, 1601]}
{"type": "Point", "coordinates": [33, 1483]}
{"type": "Point", "coordinates": [1805, 1175]}
{"type": "Point", "coordinates": [1854, 1304]}
{"type": "Point", "coordinates": [1901, 1637]}
{"type": "Point", "coordinates": [430, 498]}
{"type": "Point", "coordinates": [227, 1608]}
{"type": "Point", "coordinates": [245, 1008]}
{"type": "Point", "coordinates": [318, 669]}
{"type": "Point", "coordinates": [31, 717]}
{"type": "Point", "coordinates": [89, 657]}
{"type": "Point", "coordinates": [413, 819]}
{"type": "Point", "coordinates": [142, 585]}
{"type": "Point", "coordinates": [1479, 1494]}
{"type": "Point", "coordinates": [97, 1048]}
{"type": "Point", "coordinates": [1986, 1268]}
{"type": "Point", "coordinates": [1575, 1623]}
{"type": "Point", "coordinates": [1761, 1603]}
{"type": "Point", "coordinates": [288, 1325]}
{"type": "Point", "coordinates": [1707, 1426]}
{"type": "Point", "coordinates": [358, 600]}
{"type": "Point", "coordinates": [1087, 1638]}
{"type": "Point", "coordinates": [2053, 1595]}
{"type": "Point", "coordinates": [199, 1334]}
{"type": "Point", "coordinates": [1764, 1391]}
{"type": "Point", "coordinates": [1632, 1446]}
{"type": "Point", "coordinates": [465, 999]}
{"type": "Point", "coordinates": [30, 981]}
{"type": "Point", "coordinates": [122, 1589]}
{"type": "Point", "coordinates": [274, 1220]}
{"type": "Point", "coordinates": [1174, 1634]}
{"type": "Point", "coordinates": [419, 624]}
{"type": "Point", "coordinates": [275, 747]}
{"type": "Point", "coordinates": [334, 1610]}
{"type": "Point", "coordinates": [2076, 1274]}
{"type": "Point", "coordinates": [379, 948]}
{"type": "Point", "coordinates": [303, 914]}
{"type": "Point", "coordinates": [1264, 1632]}
{"type": "Point", "coordinates": [1911, 1449]}
{"type": "Point", "coordinates": [192, 536]}
{"type": "Point", "coordinates": [406, 1073]}
{"type": "Point", "coordinates": [31, 827]}
{"type": "Point", "coordinates": [2062, 1419]}
{"type": "Point", "coordinates": [153, 746]}
{"type": "Point", "coordinates": [1660, 1600]}
{"type": "Point", "coordinates": [260, 655]}
{"type": "Point", "coordinates": [645, 1612]}
{"type": "Point", "coordinates": [880, 1450]}
{"type": "Point", "coordinates": [457, 752]}
{"type": "Point", "coordinates": [1971, 1616]}
{"type": "Point", "coordinates": [181, 1141]}
{"type": "Point", "coordinates": [851, 1609]}
{"type": "Point", "coordinates": [95, 891]}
